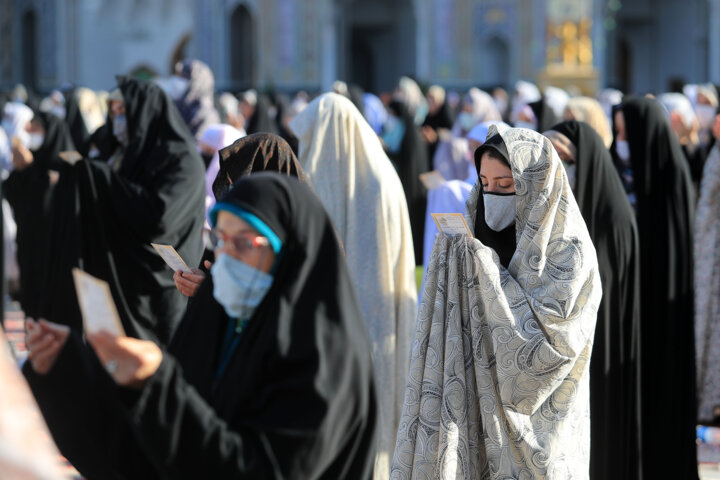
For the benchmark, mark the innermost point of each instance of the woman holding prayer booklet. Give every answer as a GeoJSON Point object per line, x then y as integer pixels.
{"type": "Point", "coordinates": [498, 382]}
{"type": "Point", "coordinates": [268, 376]}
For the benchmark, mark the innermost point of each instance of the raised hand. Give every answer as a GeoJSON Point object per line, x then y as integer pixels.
{"type": "Point", "coordinates": [129, 361]}
{"type": "Point", "coordinates": [45, 340]}
{"type": "Point", "coordinates": [188, 283]}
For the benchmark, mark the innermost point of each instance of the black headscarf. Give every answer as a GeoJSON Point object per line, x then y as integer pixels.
{"type": "Point", "coordinates": [615, 368]}
{"type": "Point", "coordinates": [296, 400]}
{"type": "Point", "coordinates": [410, 162]}
{"type": "Point", "coordinates": [503, 242]}
{"type": "Point", "coordinates": [301, 376]}
{"type": "Point", "coordinates": [260, 120]}
{"type": "Point", "coordinates": [76, 123]}
{"type": "Point", "coordinates": [28, 192]}
{"type": "Point", "coordinates": [440, 119]}
{"type": "Point", "coordinates": [282, 104]}
{"type": "Point", "coordinates": [104, 220]}
{"type": "Point", "coordinates": [255, 153]}
{"type": "Point", "coordinates": [57, 139]}
{"type": "Point", "coordinates": [665, 207]}
{"type": "Point", "coordinates": [544, 114]}
{"type": "Point", "coordinates": [355, 94]}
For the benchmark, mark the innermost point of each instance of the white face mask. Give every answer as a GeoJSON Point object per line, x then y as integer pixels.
{"type": "Point", "coordinates": [622, 148]}
{"type": "Point", "coordinates": [35, 141]}
{"type": "Point", "coordinates": [705, 115]}
{"type": "Point", "coordinates": [499, 210]}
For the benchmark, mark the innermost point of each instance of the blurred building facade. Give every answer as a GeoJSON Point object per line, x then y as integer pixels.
{"type": "Point", "coordinates": [636, 45]}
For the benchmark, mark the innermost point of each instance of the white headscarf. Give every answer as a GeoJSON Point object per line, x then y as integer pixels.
{"type": "Point", "coordinates": [92, 108]}
{"type": "Point", "coordinates": [217, 137]}
{"type": "Point", "coordinates": [15, 117]}
{"type": "Point", "coordinates": [498, 384]}
{"type": "Point", "coordinates": [608, 98]}
{"type": "Point", "coordinates": [557, 99]}
{"type": "Point", "coordinates": [525, 93]}
{"type": "Point", "coordinates": [482, 109]}
{"type": "Point", "coordinates": [677, 102]}
{"type": "Point", "coordinates": [589, 110]}
{"type": "Point", "coordinates": [409, 93]}
{"type": "Point", "coordinates": [358, 186]}
{"type": "Point", "coordinates": [452, 155]}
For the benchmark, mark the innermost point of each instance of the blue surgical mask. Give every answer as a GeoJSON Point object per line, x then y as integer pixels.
{"type": "Point", "coordinates": [466, 121]}
{"type": "Point", "coordinates": [238, 287]}
{"type": "Point", "coordinates": [119, 129]}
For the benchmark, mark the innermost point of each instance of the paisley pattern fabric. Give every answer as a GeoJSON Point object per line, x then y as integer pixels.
{"type": "Point", "coordinates": [498, 384]}
{"type": "Point", "coordinates": [707, 286]}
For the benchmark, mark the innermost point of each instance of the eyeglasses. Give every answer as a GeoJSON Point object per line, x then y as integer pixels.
{"type": "Point", "coordinates": [215, 239]}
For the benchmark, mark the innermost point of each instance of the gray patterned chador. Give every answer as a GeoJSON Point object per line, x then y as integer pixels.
{"type": "Point", "coordinates": [498, 382]}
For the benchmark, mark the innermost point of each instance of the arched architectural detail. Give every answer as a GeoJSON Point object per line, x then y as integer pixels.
{"type": "Point", "coordinates": [242, 35]}
{"type": "Point", "coordinates": [365, 28]}
{"type": "Point", "coordinates": [495, 61]}
{"type": "Point", "coordinates": [29, 44]}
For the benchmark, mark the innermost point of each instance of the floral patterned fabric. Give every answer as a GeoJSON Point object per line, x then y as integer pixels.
{"type": "Point", "coordinates": [498, 384]}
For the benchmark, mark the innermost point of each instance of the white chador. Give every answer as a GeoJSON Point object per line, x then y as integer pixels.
{"type": "Point", "coordinates": [362, 193]}
{"type": "Point", "coordinates": [498, 385]}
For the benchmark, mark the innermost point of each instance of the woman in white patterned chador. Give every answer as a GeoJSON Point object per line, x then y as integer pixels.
{"type": "Point", "coordinates": [498, 383]}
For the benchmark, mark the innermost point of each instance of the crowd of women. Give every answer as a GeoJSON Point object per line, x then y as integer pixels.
{"type": "Point", "coordinates": [329, 330]}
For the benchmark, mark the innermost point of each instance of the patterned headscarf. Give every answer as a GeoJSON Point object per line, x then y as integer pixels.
{"type": "Point", "coordinates": [498, 383]}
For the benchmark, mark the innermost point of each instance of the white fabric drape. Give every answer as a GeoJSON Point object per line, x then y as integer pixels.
{"type": "Point", "coordinates": [361, 191]}
{"type": "Point", "coordinates": [498, 385]}
{"type": "Point", "coordinates": [216, 137]}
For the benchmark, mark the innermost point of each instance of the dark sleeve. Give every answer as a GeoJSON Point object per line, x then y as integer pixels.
{"type": "Point", "coordinates": [78, 401]}
{"type": "Point", "coordinates": [177, 425]}
{"type": "Point", "coordinates": [154, 206]}
{"type": "Point", "coordinates": [16, 186]}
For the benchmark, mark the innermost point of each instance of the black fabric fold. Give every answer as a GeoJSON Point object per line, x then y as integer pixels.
{"type": "Point", "coordinates": [665, 211]}
{"type": "Point", "coordinates": [104, 220]}
{"type": "Point", "coordinates": [410, 162]}
{"type": "Point", "coordinates": [254, 153]}
{"type": "Point", "coordinates": [29, 192]}
{"type": "Point", "coordinates": [615, 366]}
{"type": "Point", "coordinates": [297, 399]}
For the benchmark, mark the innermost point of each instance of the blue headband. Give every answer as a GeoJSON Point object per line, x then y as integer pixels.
{"type": "Point", "coordinates": [250, 219]}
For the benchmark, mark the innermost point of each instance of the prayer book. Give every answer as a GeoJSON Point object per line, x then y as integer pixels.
{"type": "Point", "coordinates": [452, 224]}
{"type": "Point", "coordinates": [96, 304]}
{"type": "Point", "coordinates": [171, 257]}
{"type": "Point", "coordinates": [70, 156]}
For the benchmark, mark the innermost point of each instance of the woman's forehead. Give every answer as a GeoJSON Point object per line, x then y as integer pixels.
{"type": "Point", "coordinates": [491, 166]}
{"type": "Point", "coordinates": [230, 223]}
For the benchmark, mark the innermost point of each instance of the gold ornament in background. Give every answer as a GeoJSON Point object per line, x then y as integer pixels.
{"type": "Point", "coordinates": [569, 56]}
{"type": "Point", "coordinates": [569, 43]}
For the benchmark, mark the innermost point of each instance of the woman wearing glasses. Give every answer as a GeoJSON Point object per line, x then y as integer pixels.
{"type": "Point", "coordinates": [259, 152]}
{"type": "Point", "coordinates": [268, 376]}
